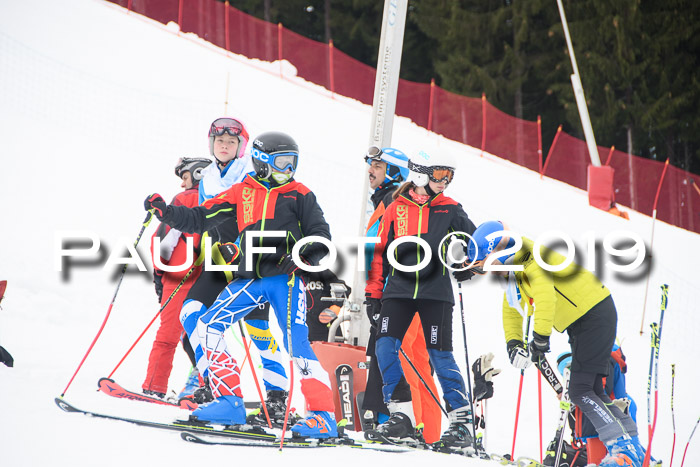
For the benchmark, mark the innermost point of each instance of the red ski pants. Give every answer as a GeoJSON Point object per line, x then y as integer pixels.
{"type": "Point", "coordinates": [160, 362]}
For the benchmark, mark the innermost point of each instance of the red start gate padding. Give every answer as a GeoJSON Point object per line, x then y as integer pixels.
{"type": "Point", "coordinates": [332, 354]}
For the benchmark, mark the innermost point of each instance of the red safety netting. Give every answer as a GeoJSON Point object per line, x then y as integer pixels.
{"type": "Point", "coordinates": [511, 138]}
{"type": "Point", "coordinates": [310, 58]}
{"type": "Point", "coordinates": [679, 203]}
{"type": "Point", "coordinates": [413, 101]}
{"type": "Point", "coordinates": [163, 11]}
{"type": "Point", "coordinates": [457, 117]}
{"type": "Point", "coordinates": [468, 120]}
{"type": "Point", "coordinates": [252, 37]}
{"type": "Point", "coordinates": [352, 78]}
{"type": "Point", "coordinates": [206, 19]}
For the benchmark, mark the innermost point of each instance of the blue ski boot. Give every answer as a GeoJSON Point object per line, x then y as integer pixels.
{"type": "Point", "coordinates": [621, 453]}
{"type": "Point", "coordinates": [225, 410]}
{"type": "Point", "coordinates": [191, 385]}
{"type": "Point", "coordinates": [317, 425]}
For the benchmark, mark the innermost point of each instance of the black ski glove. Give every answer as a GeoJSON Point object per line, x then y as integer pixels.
{"type": "Point", "coordinates": [158, 282]}
{"type": "Point", "coordinates": [463, 275]}
{"type": "Point", "coordinates": [157, 203]}
{"type": "Point", "coordinates": [483, 372]}
{"type": "Point", "coordinates": [229, 252]}
{"type": "Point", "coordinates": [538, 347]}
{"type": "Point", "coordinates": [374, 309]}
{"type": "Point", "coordinates": [288, 266]}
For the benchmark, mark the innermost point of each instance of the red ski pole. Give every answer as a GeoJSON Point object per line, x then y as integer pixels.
{"type": "Point", "coordinates": [688, 443]}
{"type": "Point", "coordinates": [149, 216]}
{"type": "Point", "coordinates": [539, 395]}
{"type": "Point", "coordinates": [148, 326]}
{"type": "Point", "coordinates": [520, 392]}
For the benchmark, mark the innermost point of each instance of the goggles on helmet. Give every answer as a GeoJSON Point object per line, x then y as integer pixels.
{"type": "Point", "coordinates": [187, 164]}
{"type": "Point", "coordinates": [226, 125]}
{"type": "Point", "coordinates": [373, 154]}
{"type": "Point", "coordinates": [281, 161]}
{"type": "Point", "coordinates": [436, 173]}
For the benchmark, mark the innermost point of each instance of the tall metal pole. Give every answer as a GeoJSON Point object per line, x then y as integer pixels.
{"type": "Point", "coordinates": [578, 93]}
{"type": "Point", "coordinates": [386, 86]}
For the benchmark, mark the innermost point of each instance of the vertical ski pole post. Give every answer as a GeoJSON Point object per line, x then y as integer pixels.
{"type": "Point", "coordinates": [430, 391]}
{"type": "Point", "coordinates": [252, 370]}
{"type": "Point", "coordinates": [673, 416]}
{"type": "Point", "coordinates": [149, 217]}
{"type": "Point", "coordinates": [664, 304]}
{"type": "Point", "coordinates": [520, 393]}
{"type": "Point", "coordinates": [177, 289]}
{"type": "Point", "coordinates": [466, 356]}
{"type": "Point", "coordinates": [386, 87]}
{"type": "Point", "coordinates": [685, 451]}
{"type": "Point", "coordinates": [290, 284]}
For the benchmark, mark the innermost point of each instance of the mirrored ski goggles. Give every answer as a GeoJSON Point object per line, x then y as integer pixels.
{"type": "Point", "coordinates": [441, 174]}
{"type": "Point", "coordinates": [226, 125]}
{"type": "Point", "coordinates": [281, 161]}
{"type": "Point", "coordinates": [373, 154]}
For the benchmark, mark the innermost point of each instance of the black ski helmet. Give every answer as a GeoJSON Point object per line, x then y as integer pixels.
{"type": "Point", "coordinates": [193, 165]}
{"type": "Point", "coordinates": [274, 149]}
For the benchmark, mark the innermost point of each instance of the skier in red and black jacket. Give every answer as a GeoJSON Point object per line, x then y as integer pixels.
{"type": "Point", "coordinates": [420, 209]}
{"type": "Point", "coordinates": [269, 201]}
{"type": "Point", "coordinates": [173, 251]}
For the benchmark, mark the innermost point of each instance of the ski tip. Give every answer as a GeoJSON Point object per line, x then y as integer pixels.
{"type": "Point", "coordinates": [187, 436]}
{"type": "Point", "coordinates": [65, 406]}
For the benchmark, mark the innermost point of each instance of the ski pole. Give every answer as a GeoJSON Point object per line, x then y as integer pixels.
{"type": "Point", "coordinates": [290, 284]}
{"type": "Point", "coordinates": [673, 417]}
{"type": "Point", "coordinates": [565, 404]}
{"type": "Point", "coordinates": [149, 217]}
{"type": "Point", "coordinates": [520, 392]}
{"type": "Point", "coordinates": [664, 304]}
{"type": "Point", "coordinates": [686, 444]}
{"type": "Point", "coordinates": [539, 405]}
{"type": "Point", "coordinates": [466, 356]}
{"type": "Point", "coordinates": [255, 376]}
{"type": "Point", "coordinates": [432, 394]}
{"type": "Point", "coordinates": [174, 292]}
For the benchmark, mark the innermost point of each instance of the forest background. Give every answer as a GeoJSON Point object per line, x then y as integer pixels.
{"type": "Point", "coordinates": [638, 60]}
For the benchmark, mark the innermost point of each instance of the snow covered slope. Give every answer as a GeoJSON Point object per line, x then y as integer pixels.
{"type": "Point", "coordinates": [96, 105]}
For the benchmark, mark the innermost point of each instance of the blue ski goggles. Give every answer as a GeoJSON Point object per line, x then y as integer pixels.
{"type": "Point", "coordinates": [280, 161]}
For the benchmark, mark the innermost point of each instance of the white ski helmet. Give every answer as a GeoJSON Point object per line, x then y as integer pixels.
{"type": "Point", "coordinates": [425, 167]}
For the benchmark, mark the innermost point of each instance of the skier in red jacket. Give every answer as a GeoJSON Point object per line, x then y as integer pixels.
{"type": "Point", "coordinates": [173, 252]}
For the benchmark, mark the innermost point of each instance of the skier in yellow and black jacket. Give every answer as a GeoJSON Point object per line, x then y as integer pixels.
{"type": "Point", "coordinates": [571, 300]}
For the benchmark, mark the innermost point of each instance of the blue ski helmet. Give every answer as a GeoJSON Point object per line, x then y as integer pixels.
{"type": "Point", "coordinates": [479, 247]}
{"type": "Point", "coordinates": [396, 162]}
{"type": "Point", "coordinates": [563, 361]}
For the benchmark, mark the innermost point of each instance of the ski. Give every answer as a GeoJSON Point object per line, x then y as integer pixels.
{"type": "Point", "coordinates": [344, 380]}
{"type": "Point", "coordinates": [113, 389]}
{"type": "Point", "coordinates": [366, 416]}
{"type": "Point", "coordinates": [291, 443]}
{"type": "Point", "coordinates": [233, 431]}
